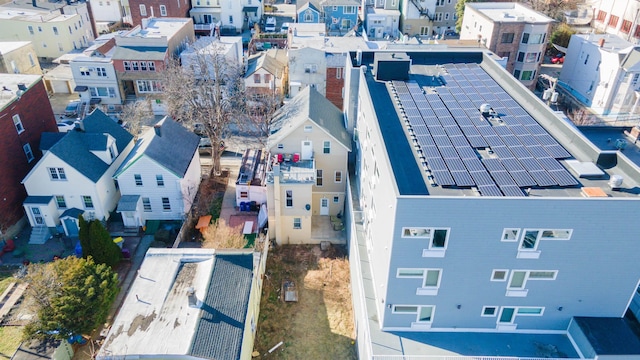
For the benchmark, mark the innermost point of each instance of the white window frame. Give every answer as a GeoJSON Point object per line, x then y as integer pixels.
{"type": "Point", "coordinates": [423, 274]}
{"type": "Point", "coordinates": [163, 10]}
{"type": "Point", "coordinates": [522, 291]}
{"type": "Point", "coordinates": [143, 10]}
{"type": "Point", "coordinates": [326, 147]}
{"type": "Point", "coordinates": [519, 308]}
{"type": "Point", "coordinates": [166, 205]}
{"type": "Point", "coordinates": [297, 223]}
{"type": "Point", "coordinates": [288, 198]}
{"type": "Point", "coordinates": [28, 152]}
{"type": "Point", "coordinates": [418, 310]}
{"type": "Point", "coordinates": [137, 178]}
{"type": "Point", "coordinates": [146, 204]}
{"type": "Point", "coordinates": [57, 174]}
{"type": "Point", "coordinates": [127, 65]}
{"type": "Point", "coordinates": [508, 231]}
{"type": "Point", "coordinates": [493, 275]}
{"type": "Point", "coordinates": [337, 177]}
{"type": "Point", "coordinates": [87, 202]}
{"type": "Point", "coordinates": [428, 234]}
{"type": "Point", "coordinates": [496, 310]}
{"type": "Point", "coordinates": [17, 122]}
{"type": "Point", "coordinates": [533, 252]}
{"type": "Point", "coordinates": [308, 128]}
{"type": "Point", "coordinates": [160, 180]}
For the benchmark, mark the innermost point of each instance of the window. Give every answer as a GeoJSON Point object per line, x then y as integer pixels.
{"type": "Point", "coordinates": [525, 38]}
{"type": "Point", "coordinates": [60, 47]}
{"type": "Point", "coordinates": [424, 313]}
{"type": "Point", "coordinates": [70, 32]}
{"type": "Point", "coordinates": [28, 152]}
{"type": "Point", "coordinates": [518, 280]}
{"type": "Point", "coordinates": [135, 66]}
{"type": "Point", "coordinates": [159, 180]}
{"type": "Point", "coordinates": [318, 177]}
{"type": "Point", "coordinates": [528, 74]}
{"type": "Point", "coordinates": [18, 124]}
{"type": "Point", "coordinates": [310, 68]}
{"type": "Point", "coordinates": [143, 10]}
{"type": "Point", "coordinates": [437, 239]}
{"type": "Point", "coordinates": [149, 86]}
{"type": "Point", "coordinates": [152, 66]}
{"type": "Point", "coordinates": [244, 194]}
{"type": "Point", "coordinates": [256, 78]}
{"type": "Point", "coordinates": [598, 66]}
{"type": "Point", "coordinates": [520, 56]}
{"type": "Point", "coordinates": [516, 74]}
{"type": "Point", "coordinates": [280, 146]}
{"type": "Point", "coordinates": [507, 38]}
{"type": "Point", "coordinates": [308, 128]}
{"type": "Point", "coordinates": [489, 311]}
{"type": "Point", "coordinates": [267, 78]}
{"type": "Point", "coordinates": [530, 311]}
{"type": "Point", "coordinates": [146, 204]}
{"type": "Point", "coordinates": [349, 10]}
{"type": "Point", "coordinates": [57, 174]}
{"type": "Point", "coordinates": [55, 30]}
{"type": "Point", "coordinates": [531, 57]}
{"type": "Point", "coordinates": [613, 21]}
{"type": "Point", "coordinates": [30, 29]}
{"type": "Point", "coordinates": [586, 59]}
{"type": "Point", "coordinates": [101, 71]}
{"type": "Point", "coordinates": [113, 151]}
{"type": "Point", "coordinates": [308, 16]}
{"type": "Point", "coordinates": [138, 179]}
{"type": "Point", "coordinates": [537, 38]}
{"type": "Point", "coordinates": [430, 279]}
{"type": "Point", "coordinates": [338, 73]}
{"type": "Point", "coordinates": [289, 198]}
{"type": "Point", "coordinates": [446, 16]}
{"type": "Point", "coordinates": [31, 61]}
{"type": "Point", "coordinates": [60, 203]}
{"type": "Point", "coordinates": [338, 177]}
{"type": "Point", "coordinates": [510, 235]}
{"type": "Point", "coordinates": [87, 201]}
{"type": "Point", "coordinates": [230, 17]}
{"type": "Point", "coordinates": [163, 10]}
{"type": "Point", "coordinates": [626, 26]}
{"type": "Point", "coordinates": [127, 65]}
{"type": "Point", "coordinates": [84, 71]}
{"type": "Point", "coordinates": [336, 199]}
{"type": "Point", "coordinates": [297, 223]}
{"type": "Point", "coordinates": [499, 275]}
{"type": "Point", "coordinates": [166, 204]}
{"type": "Point", "coordinates": [40, 29]}
{"type": "Point", "coordinates": [326, 147]}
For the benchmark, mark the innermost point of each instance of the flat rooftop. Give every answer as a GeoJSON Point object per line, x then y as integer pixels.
{"type": "Point", "coordinates": [612, 43]}
{"type": "Point", "coordinates": [9, 86]}
{"type": "Point", "coordinates": [509, 12]}
{"type": "Point", "coordinates": [9, 46]}
{"type": "Point", "coordinates": [158, 27]}
{"type": "Point", "coordinates": [31, 15]}
{"type": "Point", "coordinates": [44, 5]}
{"type": "Point", "coordinates": [612, 138]}
{"type": "Point", "coordinates": [519, 148]}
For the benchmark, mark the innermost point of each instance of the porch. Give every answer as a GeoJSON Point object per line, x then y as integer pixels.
{"type": "Point", "coordinates": [327, 228]}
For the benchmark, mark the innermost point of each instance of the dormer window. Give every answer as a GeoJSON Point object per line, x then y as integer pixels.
{"type": "Point", "coordinates": [113, 151]}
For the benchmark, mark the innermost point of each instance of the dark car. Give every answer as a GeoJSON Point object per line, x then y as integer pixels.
{"type": "Point", "coordinates": [72, 109]}
{"type": "Point", "coordinates": [558, 59]}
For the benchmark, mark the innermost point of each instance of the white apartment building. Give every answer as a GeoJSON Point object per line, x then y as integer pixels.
{"type": "Point", "coordinates": [619, 17]}
{"type": "Point", "coordinates": [94, 74]}
{"type": "Point", "coordinates": [225, 14]}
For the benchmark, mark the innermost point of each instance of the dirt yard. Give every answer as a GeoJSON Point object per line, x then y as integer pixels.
{"type": "Point", "coordinates": [318, 326]}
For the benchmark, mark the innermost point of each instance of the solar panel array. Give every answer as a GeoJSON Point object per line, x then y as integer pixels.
{"type": "Point", "coordinates": [446, 127]}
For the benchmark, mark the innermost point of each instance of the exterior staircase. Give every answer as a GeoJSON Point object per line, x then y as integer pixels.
{"type": "Point", "coordinates": [423, 11]}
{"type": "Point", "coordinates": [39, 235]}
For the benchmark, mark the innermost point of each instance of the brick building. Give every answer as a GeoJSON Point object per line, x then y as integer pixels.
{"type": "Point", "coordinates": [26, 113]}
{"type": "Point", "coordinates": [335, 78]}
{"type": "Point", "coordinates": [512, 31]}
{"type": "Point", "coordinates": [142, 9]}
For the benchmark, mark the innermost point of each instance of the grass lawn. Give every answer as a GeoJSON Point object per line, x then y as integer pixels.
{"type": "Point", "coordinates": [9, 340]}
{"type": "Point", "coordinates": [6, 278]}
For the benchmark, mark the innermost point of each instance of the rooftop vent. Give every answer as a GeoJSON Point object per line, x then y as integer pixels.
{"type": "Point", "coordinates": [191, 295]}
{"type": "Point", "coordinates": [616, 182]}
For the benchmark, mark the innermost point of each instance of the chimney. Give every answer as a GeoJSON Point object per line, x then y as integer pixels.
{"type": "Point", "coordinates": [191, 295]}
{"type": "Point", "coordinates": [601, 42]}
{"type": "Point", "coordinates": [158, 129]}
{"type": "Point", "coordinates": [22, 87]}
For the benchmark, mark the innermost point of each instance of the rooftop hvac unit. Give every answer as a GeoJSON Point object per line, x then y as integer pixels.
{"type": "Point", "coordinates": [616, 181]}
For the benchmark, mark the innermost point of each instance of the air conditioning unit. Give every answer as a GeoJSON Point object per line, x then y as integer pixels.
{"type": "Point", "coordinates": [307, 70]}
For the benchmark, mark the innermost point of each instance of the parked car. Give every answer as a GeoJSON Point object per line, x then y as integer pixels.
{"type": "Point", "coordinates": [270, 24]}
{"type": "Point", "coordinates": [72, 108]}
{"type": "Point", "coordinates": [284, 28]}
{"type": "Point", "coordinates": [198, 129]}
{"type": "Point", "coordinates": [558, 59]}
{"type": "Point", "coordinates": [66, 125]}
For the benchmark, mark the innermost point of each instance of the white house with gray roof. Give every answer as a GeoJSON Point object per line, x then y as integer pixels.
{"type": "Point", "coordinates": [306, 180]}
{"type": "Point", "coordinates": [189, 304]}
{"type": "Point", "coordinates": [160, 177]}
{"type": "Point", "coordinates": [75, 174]}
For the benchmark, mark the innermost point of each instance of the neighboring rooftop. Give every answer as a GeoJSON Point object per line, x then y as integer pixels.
{"type": "Point", "coordinates": [157, 28]}
{"type": "Point", "coordinates": [609, 336]}
{"type": "Point", "coordinates": [45, 5]}
{"type": "Point", "coordinates": [312, 35]}
{"type": "Point", "coordinates": [167, 143]}
{"type": "Point", "coordinates": [509, 12]}
{"type": "Point", "coordinates": [610, 42]}
{"type": "Point", "coordinates": [9, 90]}
{"type": "Point", "coordinates": [156, 318]}
{"type": "Point", "coordinates": [519, 148]}
{"type": "Point", "coordinates": [9, 46]}
{"type": "Point", "coordinates": [32, 14]}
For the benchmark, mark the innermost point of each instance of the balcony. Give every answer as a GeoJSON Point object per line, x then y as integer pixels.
{"type": "Point", "coordinates": [203, 27]}
{"type": "Point", "coordinates": [303, 171]}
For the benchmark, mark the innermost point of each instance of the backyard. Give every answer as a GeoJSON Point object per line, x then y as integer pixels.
{"type": "Point", "coordinates": [320, 324]}
{"type": "Point", "coordinates": [9, 335]}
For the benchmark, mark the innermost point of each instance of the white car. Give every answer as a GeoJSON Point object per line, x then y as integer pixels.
{"type": "Point", "coordinates": [270, 24]}
{"type": "Point", "coordinates": [67, 125]}
{"type": "Point", "coordinates": [284, 28]}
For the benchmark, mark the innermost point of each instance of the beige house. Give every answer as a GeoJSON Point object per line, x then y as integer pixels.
{"type": "Point", "coordinates": [306, 182]}
{"type": "Point", "coordinates": [18, 57]}
{"type": "Point", "coordinates": [266, 72]}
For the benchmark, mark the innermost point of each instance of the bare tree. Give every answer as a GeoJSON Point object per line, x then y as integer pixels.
{"type": "Point", "coordinates": [260, 114]}
{"type": "Point", "coordinates": [135, 115]}
{"type": "Point", "coordinates": [221, 236]}
{"type": "Point", "coordinates": [207, 90]}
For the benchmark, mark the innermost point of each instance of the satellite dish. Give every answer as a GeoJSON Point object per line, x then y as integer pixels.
{"type": "Point", "coordinates": [308, 207]}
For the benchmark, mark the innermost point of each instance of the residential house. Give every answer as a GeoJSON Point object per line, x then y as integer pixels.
{"type": "Point", "coordinates": [197, 304]}
{"type": "Point", "coordinates": [160, 177]}
{"type": "Point", "coordinates": [53, 28]}
{"type": "Point", "coordinates": [265, 73]}
{"type": "Point", "coordinates": [617, 17]}
{"type": "Point", "coordinates": [602, 72]}
{"type": "Point", "coordinates": [230, 17]}
{"type": "Point", "coordinates": [142, 53]}
{"type": "Point", "coordinates": [307, 68]}
{"type": "Point", "coordinates": [340, 16]}
{"type": "Point", "coordinates": [336, 63]}
{"type": "Point", "coordinates": [211, 50]}
{"type": "Point", "coordinates": [381, 18]}
{"type": "Point", "coordinates": [147, 9]}
{"type": "Point", "coordinates": [75, 176]}
{"type": "Point", "coordinates": [18, 57]}
{"type": "Point", "coordinates": [417, 17]}
{"type": "Point", "coordinates": [306, 181]}
{"type": "Point", "coordinates": [308, 12]}
{"type": "Point", "coordinates": [512, 31]}
{"type": "Point", "coordinates": [506, 201]}
{"type": "Point", "coordinates": [444, 17]}
{"type": "Point", "coordinates": [94, 74]}
{"type": "Point", "coordinates": [24, 106]}
{"type": "Point", "coordinates": [251, 181]}
{"type": "Point", "coordinates": [106, 15]}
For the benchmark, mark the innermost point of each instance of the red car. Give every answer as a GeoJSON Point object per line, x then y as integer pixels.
{"type": "Point", "coordinates": [558, 59]}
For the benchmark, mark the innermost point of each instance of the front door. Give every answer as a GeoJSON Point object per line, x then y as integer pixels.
{"type": "Point", "coordinates": [307, 150]}
{"type": "Point", "coordinates": [72, 228]}
{"type": "Point", "coordinates": [324, 206]}
{"type": "Point", "coordinates": [208, 19]}
{"type": "Point", "coordinates": [37, 216]}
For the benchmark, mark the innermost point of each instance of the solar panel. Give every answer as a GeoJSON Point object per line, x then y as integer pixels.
{"type": "Point", "coordinates": [466, 152]}
{"type": "Point", "coordinates": [493, 164]}
{"type": "Point", "coordinates": [437, 130]}
{"type": "Point", "coordinates": [549, 163]}
{"type": "Point", "coordinates": [511, 190]}
{"type": "Point", "coordinates": [502, 152]}
{"type": "Point", "coordinates": [530, 164]}
{"type": "Point", "coordinates": [477, 141]}
{"type": "Point", "coordinates": [458, 140]}
{"type": "Point", "coordinates": [447, 121]}
{"type": "Point", "coordinates": [535, 129]}
{"type": "Point", "coordinates": [486, 131]}
{"type": "Point", "coordinates": [415, 121]}
{"type": "Point", "coordinates": [443, 178]}
{"type": "Point", "coordinates": [520, 152]}
{"type": "Point", "coordinates": [442, 140]}
{"type": "Point", "coordinates": [454, 131]}
{"type": "Point", "coordinates": [563, 177]}
{"type": "Point", "coordinates": [431, 120]}
{"type": "Point", "coordinates": [425, 140]}
{"type": "Point", "coordinates": [557, 151]}
{"type": "Point", "coordinates": [431, 152]}
{"type": "Point", "coordinates": [543, 178]}
{"type": "Point", "coordinates": [462, 178]}
{"type": "Point", "coordinates": [489, 190]}
{"type": "Point", "coordinates": [494, 140]}
{"type": "Point", "coordinates": [511, 140]}
{"type": "Point", "coordinates": [528, 140]}
{"type": "Point", "coordinates": [470, 130]}
{"type": "Point", "coordinates": [502, 178]}
{"type": "Point", "coordinates": [546, 139]}
{"type": "Point", "coordinates": [522, 178]}
{"type": "Point", "coordinates": [502, 130]}
{"type": "Point", "coordinates": [482, 177]}
{"type": "Point", "coordinates": [449, 152]}
{"type": "Point", "coordinates": [436, 164]}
